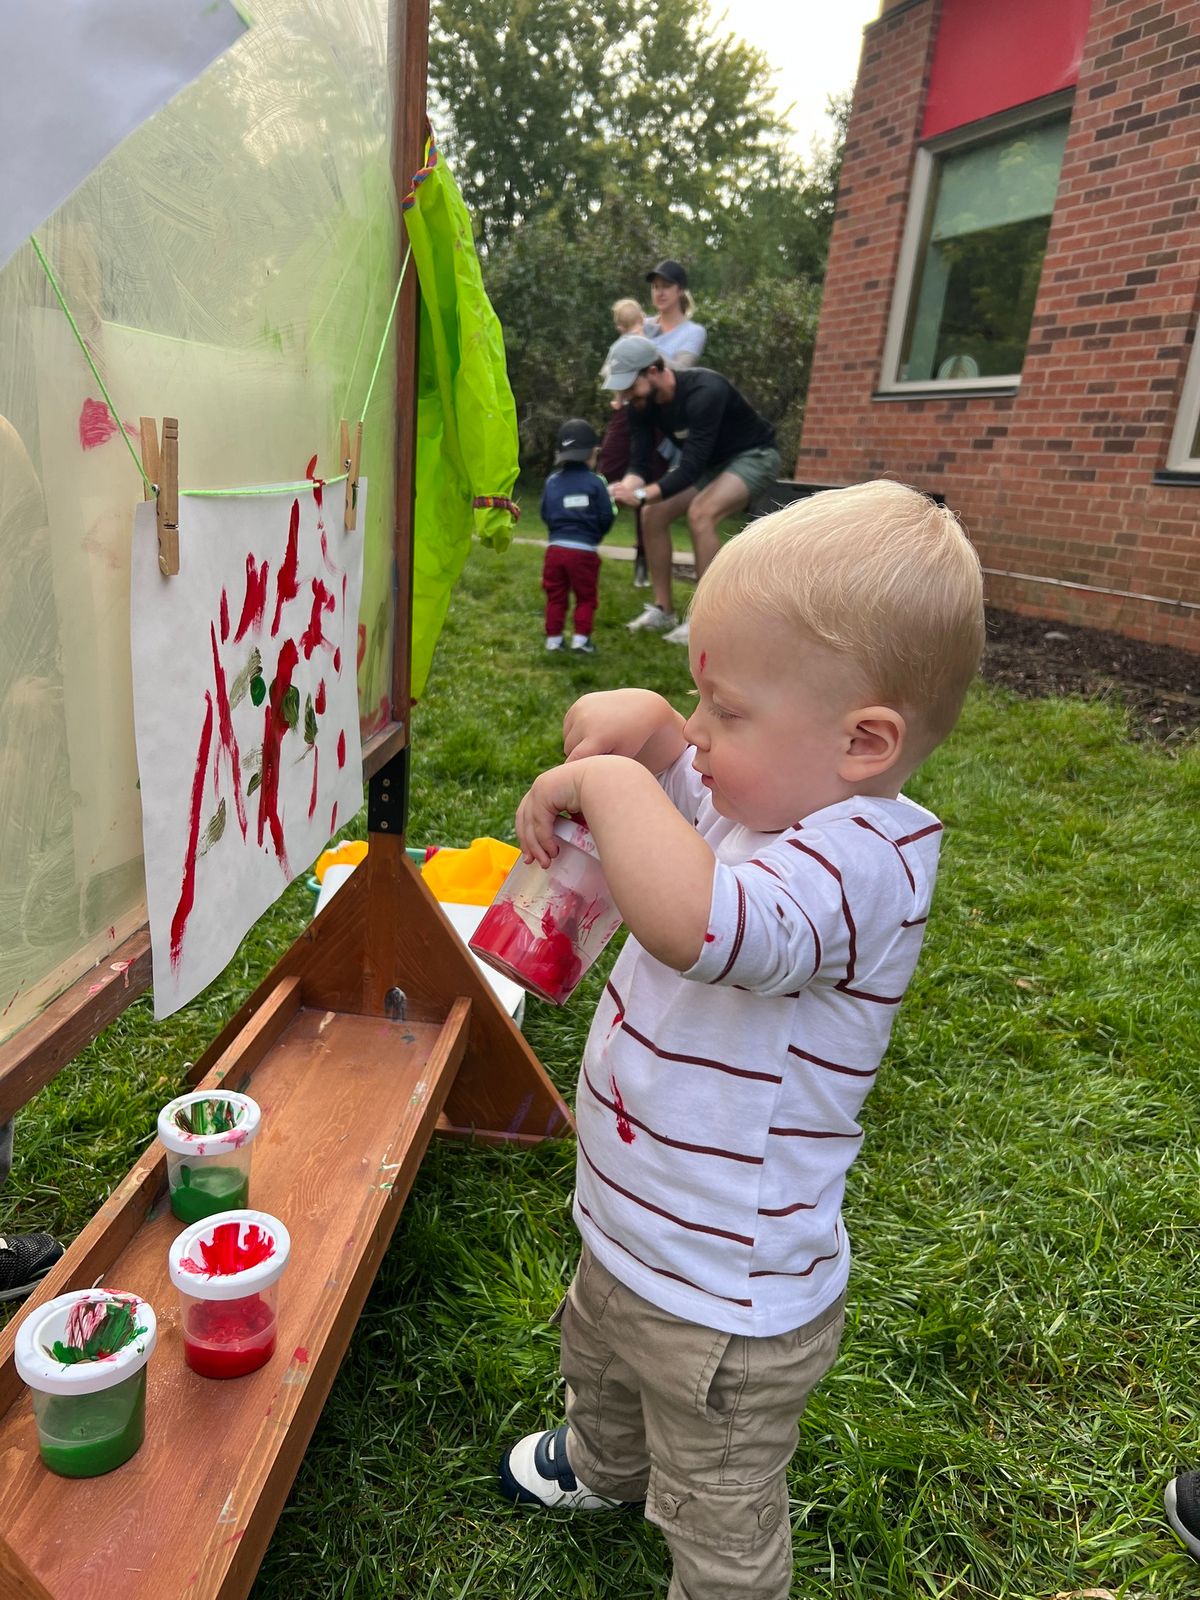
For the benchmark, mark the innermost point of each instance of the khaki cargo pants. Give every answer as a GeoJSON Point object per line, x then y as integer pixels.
{"type": "Point", "coordinates": [700, 1423]}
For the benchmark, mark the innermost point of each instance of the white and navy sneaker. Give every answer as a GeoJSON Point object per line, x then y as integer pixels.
{"type": "Point", "coordinates": [535, 1472]}
{"type": "Point", "coordinates": [652, 619]}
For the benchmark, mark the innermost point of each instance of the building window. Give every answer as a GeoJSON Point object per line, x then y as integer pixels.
{"type": "Point", "coordinates": [1184, 455]}
{"type": "Point", "coordinates": [972, 255]}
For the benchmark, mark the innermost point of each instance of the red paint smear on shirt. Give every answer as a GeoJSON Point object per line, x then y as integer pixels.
{"type": "Point", "coordinates": [228, 738]}
{"type": "Point", "coordinates": [275, 726]}
{"type": "Point", "coordinates": [96, 425]}
{"type": "Point", "coordinates": [312, 799]}
{"type": "Point", "coordinates": [709, 937]}
{"type": "Point", "coordinates": [624, 1126]}
{"type": "Point", "coordinates": [319, 699]}
{"type": "Point", "coordinates": [314, 634]}
{"type": "Point", "coordinates": [187, 890]}
{"type": "Point", "coordinates": [224, 617]}
{"type": "Point", "coordinates": [255, 602]}
{"type": "Point", "coordinates": [341, 749]}
{"type": "Point", "coordinates": [225, 1253]}
{"type": "Point", "coordinates": [286, 586]}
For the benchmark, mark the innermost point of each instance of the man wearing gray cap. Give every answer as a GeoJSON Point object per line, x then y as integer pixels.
{"type": "Point", "coordinates": [727, 455]}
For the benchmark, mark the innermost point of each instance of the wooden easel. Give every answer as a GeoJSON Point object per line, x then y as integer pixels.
{"type": "Point", "coordinates": [373, 1033]}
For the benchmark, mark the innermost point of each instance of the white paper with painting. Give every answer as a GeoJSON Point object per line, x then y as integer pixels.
{"type": "Point", "coordinates": [245, 713]}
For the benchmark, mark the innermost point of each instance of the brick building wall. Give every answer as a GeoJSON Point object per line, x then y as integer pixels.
{"type": "Point", "coordinates": [1056, 480]}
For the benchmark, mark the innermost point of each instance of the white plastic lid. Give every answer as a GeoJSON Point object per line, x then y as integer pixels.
{"type": "Point", "coordinates": [576, 833]}
{"type": "Point", "coordinates": [194, 1272]}
{"type": "Point", "coordinates": [176, 1139]}
{"type": "Point", "coordinates": [46, 1325]}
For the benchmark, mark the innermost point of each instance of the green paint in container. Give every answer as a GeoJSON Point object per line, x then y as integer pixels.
{"type": "Point", "coordinates": [84, 1357]}
{"type": "Point", "coordinates": [208, 1137]}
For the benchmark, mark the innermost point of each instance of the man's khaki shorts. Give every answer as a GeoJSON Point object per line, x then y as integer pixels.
{"type": "Point", "coordinates": [758, 470]}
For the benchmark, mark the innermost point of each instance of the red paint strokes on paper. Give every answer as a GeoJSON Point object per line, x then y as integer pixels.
{"type": "Point", "coordinates": [341, 749]}
{"type": "Point", "coordinates": [337, 660]}
{"type": "Point", "coordinates": [275, 726]}
{"type": "Point", "coordinates": [187, 889]}
{"type": "Point", "coordinates": [319, 699]}
{"type": "Point", "coordinates": [317, 483]}
{"type": "Point", "coordinates": [224, 617]}
{"type": "Point", "coordinates": [286, 585]}
{"type": "Point", "coordinates": [624, 1126]}
{"type": "Point", "coordinates": [255, 602]}
{"type": "Point", "coordinates": [225, 1252]}
{"type": "Point", "coordinates": [333, 818]}
{"type": "Point", "coordinates": [329, 566]}
{"type": "Point", "coordinates": [228, 738]}
{"type": "Point", "coordinates": [314, 634]}
{"type": "Point", "coordinates": [312, 798]}
{"type": "Point", "coordinates": [96, 425]}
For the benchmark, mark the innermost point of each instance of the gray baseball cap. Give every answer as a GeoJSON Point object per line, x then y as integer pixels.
{"type": "Point", "coordinates": [627, 356]}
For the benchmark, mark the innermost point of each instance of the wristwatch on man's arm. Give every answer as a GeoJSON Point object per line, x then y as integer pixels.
{"type": "Point", "coordinates": [639, 494]}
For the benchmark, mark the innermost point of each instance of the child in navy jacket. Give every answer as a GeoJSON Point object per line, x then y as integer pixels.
{"type": "Point", "coordinates": [578, 513]}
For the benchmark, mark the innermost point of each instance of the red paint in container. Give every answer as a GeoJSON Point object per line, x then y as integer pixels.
{"type": "Point", "coordinates": [547, 925]}
{"type": "Point", "coordinates": [227, 1270]}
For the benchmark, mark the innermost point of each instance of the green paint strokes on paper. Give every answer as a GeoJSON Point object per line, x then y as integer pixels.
{"type": "Point", "coordinates": [252, 669]}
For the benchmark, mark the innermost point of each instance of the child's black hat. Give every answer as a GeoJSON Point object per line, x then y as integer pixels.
{"type": "Point", "coordinates": [576, 440]}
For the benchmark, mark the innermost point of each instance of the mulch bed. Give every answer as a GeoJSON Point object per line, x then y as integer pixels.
{"type": "Point", "coordinates": [1159, 686]}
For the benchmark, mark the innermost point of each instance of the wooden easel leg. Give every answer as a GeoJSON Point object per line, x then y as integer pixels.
{"type": "Point", "coordinates": [16, 1580]}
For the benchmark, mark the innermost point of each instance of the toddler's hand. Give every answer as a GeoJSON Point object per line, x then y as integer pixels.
{"type": "Point", "coordinates": [554, 792]}
{"type": "Point", "coordinates": [614, 722]}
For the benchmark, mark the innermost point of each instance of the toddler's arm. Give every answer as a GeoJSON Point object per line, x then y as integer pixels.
{"type": "Point", "coordinates": [658, 868]}
{"type": "Point", "coordinates": [625, 722]}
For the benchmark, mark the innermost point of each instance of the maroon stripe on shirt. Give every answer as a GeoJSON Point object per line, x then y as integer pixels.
{"type": "Point", "coordinates": [917, 922]}
{"type": "Point", "coordinates": [738, 936]}
{"type": "Point", "coordinates": [832, 1066]}
{"type": "Point", "coordinates": [871, 828]}
{"type": "Point", "coordinates": [699, 1061]}
{"type": "Point", "coordinates": [662, 1272]}
{"type": "Point", "coordinates": [861, 994]}
{"type": "Point", "coordinates": [662, 1138]}
{"type": "Point", "coordinates": [811, 1267]}
{"type": "Point", "coordinates": [851, 932]}
{"type": "Point", "coordinates": [755, 862]}
{"type": "Point", "coordinates": [668, 1216]}
{"type": "Point", "coordinates": [811, 1133]}
{"type": "Point", "coordinates": [786, 1211]}
{"type": "Point", "coordinates": [921, 833]}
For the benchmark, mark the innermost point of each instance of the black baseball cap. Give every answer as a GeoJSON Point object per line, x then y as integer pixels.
{"type": "Point", "coordinates": [576, 440]}
{"type": "Point", "coordinates": [672, 271]}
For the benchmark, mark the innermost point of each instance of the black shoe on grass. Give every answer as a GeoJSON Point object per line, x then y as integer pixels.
{"type": "Point", "coordinates": [1182, 1499]}
{"type": "Point", "coordinates": [25, 1258]}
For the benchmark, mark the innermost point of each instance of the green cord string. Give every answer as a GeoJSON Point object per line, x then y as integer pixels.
{"type": "Point", "coordinates": [217, 494]}
{"type": "Point", "coordinates": [46, 267]}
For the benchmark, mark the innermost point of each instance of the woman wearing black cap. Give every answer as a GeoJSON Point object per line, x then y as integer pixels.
{"type": "Point", "coordinates": [671, 327]}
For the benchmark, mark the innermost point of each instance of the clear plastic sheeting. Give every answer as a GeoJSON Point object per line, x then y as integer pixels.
{"type": "Point", "coordinates": [232, 265]}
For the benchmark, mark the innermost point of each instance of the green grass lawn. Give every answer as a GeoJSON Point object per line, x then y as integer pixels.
{"type": "Point", "coordinates": [1018, 1377]}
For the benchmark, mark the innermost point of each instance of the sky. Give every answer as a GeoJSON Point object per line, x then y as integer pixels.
{"type": "Point", "coordinates": [813, 45]}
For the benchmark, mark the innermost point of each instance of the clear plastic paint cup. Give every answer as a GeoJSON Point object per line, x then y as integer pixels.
{"type": "Point", "coordinates": [227, 1270]}
{"type": "Point", "coordinates": [84, 1358]}
{"type": "Point", "coordinates": [547, 925]}
{"type": "Point", "coordinates": [208, 1137]}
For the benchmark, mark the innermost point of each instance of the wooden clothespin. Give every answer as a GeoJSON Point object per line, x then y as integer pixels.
{"type": "Point", "coordinates": [350, 462]}
{"type": "Point", "coordinates": [162, 468]}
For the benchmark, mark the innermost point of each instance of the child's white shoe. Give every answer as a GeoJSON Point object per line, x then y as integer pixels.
{"type": "Point", "coordinates": [535, 1472]}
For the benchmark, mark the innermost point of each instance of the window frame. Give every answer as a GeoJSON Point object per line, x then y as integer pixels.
{"type": "Point", "coordinates": [918, 221]}
{"type": "Point", "coordinates": [1187, 417]}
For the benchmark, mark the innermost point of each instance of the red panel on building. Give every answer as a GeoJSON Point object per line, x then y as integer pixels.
{"type": "Point", "coordinates": [990, 57]}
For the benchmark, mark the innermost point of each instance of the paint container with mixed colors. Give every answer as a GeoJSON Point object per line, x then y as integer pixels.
{"type": "Point", "coordinates": [227, 1270]}
{"type": "Point", "coordinates": [209, 1139]}
{"type": "Point", "coordinates": [84, 1358]}
{"type": "Point", "coordinates": [547, 925]}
